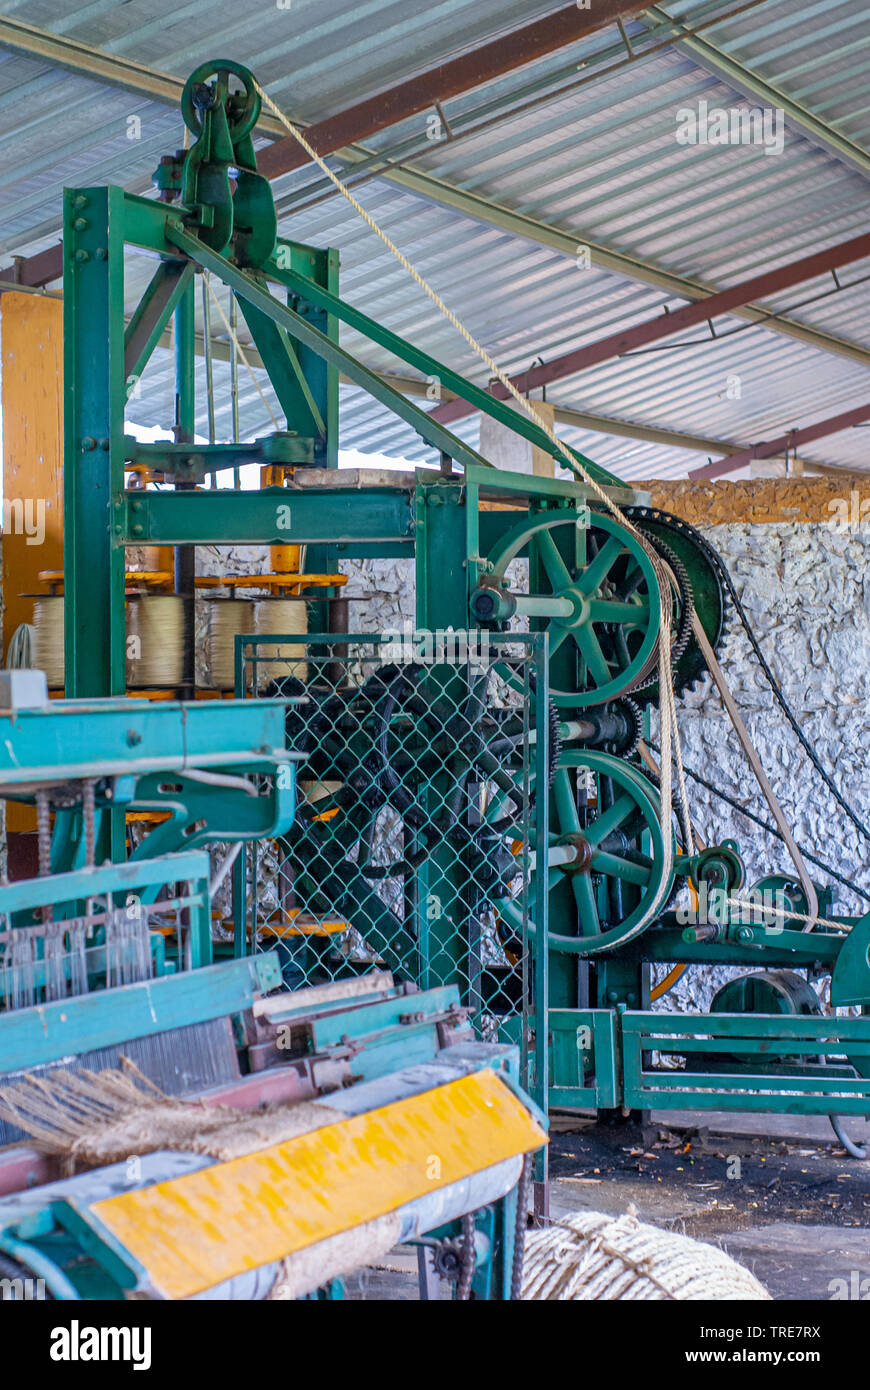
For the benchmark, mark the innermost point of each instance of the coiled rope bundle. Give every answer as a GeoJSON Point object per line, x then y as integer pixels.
{"type": "Point", "coordinates": [590, 1257]}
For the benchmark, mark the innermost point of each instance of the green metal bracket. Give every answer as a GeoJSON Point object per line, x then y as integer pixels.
{"type": "Point", "coordinates": [436, 371]}
{"type": "Point", "coordinates": [193, 463]}
{"type": "Point", "coordinates": [850, 982]}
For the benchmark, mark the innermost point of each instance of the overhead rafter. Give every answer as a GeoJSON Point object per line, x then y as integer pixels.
{"type": "Point", "coordinates": [475, 68]}
{"type": "Point", "coordinates": [46, 266]}
{"type": "Point", "coordinates": [784, 443]}
{"type": "Point", "coordinates": [60, 51]}
{"type": "Point", "coordinates": [750, 84]}
{"type": "Point", "coordinates": [450, 79]}
{"type": "Point", "coordinates": [667, 324]}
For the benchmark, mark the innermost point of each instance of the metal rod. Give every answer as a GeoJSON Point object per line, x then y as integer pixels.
{"type": "Point", "coordinates": [234, 380]}
{"type": "Point", "coordinates": [209, 373]}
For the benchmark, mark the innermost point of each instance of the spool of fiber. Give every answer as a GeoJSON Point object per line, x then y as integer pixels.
{"type": "Point", "coordinates": [155, 641]}
{"type": "Point", "coordinates": [283, 617]}
{"type": "Point", "coordinates": [48, 638]}
{"type": "Point", "coordinates": [227, 617]}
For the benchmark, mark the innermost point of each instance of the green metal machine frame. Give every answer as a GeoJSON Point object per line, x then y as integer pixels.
{"type": "Point", "coordinates": [464, 528]}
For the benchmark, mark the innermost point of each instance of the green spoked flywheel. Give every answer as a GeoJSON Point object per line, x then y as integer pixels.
{"type": "Point", "coordinates": [595, 592]}
{"type": "Point", "coordinates": [606, 862]}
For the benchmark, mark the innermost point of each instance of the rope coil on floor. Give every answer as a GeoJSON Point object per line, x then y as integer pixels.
{"type": "Point", "coordinates": [592, 1257]}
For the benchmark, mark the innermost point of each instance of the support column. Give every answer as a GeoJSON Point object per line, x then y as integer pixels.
{"type": "Point", "coordinates": [185, 422]}
{"type": "Point", "coordinates": [94, 396]}
{"type": "Point", "coordinates": [502, 447]}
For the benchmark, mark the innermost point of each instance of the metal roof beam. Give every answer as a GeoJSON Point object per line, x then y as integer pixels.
{"type": "Point", "coordinates": [100, 66]}
{"type": "Point", "coordinates": [46, 266]}
{"type": "Point", "coordinates": [785, 443]}
{"type": "Point", "coordinates": [750, 84]}
{"type": "Point", "coordinates": [603, 258]}
{"type": "Point", "coordinates": [450, 79]}
{"type": "Point", "coordinates": [611, 426]}
{"type": "Point", "coordinates": [667, 324]}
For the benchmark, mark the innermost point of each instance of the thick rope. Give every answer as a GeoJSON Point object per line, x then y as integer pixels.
{"type": "Point", "coordinates": [669, 733]}
{"type": "Point", "coordinates": [89, 1119]}
{"type": "Point", "coordinates": [593, 1257]}
{"type": "Point", "coordinates": [786, 912]}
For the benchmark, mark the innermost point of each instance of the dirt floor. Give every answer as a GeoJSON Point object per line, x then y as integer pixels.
{"type": "Point", "coordinates": [778, 1193]}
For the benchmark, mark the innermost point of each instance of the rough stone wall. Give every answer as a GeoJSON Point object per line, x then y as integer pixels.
{"type": "Point", "coordinates": [806, 591]}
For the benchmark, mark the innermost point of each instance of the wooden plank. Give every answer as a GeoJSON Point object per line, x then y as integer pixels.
{"type": "Point", "coordinates": [31, 345]}
{"type": "Point", "coordinates": [32, 342]}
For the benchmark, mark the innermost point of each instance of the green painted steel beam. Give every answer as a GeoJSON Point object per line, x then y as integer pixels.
{"type": "Point", "coordinates": [416, 357]}
{"type": "Point", "coordinates": [284, 371]}
{"type": "Point", "coordinates": [433, 434]}
{"type": "Point", "coordinates": [94, 397]}
{"type": "Point", "coordinates": [108, 1017]}
{"type": "Point", "coordinates": [271, 516]}
{"type": "Point", "coordinates": [149, 320]}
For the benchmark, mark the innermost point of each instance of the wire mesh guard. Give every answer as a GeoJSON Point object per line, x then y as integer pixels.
{"type": "Point", "coordinates": [414, 841]}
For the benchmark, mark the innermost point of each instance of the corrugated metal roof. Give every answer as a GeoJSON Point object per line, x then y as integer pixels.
{"type": "Point", "coordinates": [601, 162]}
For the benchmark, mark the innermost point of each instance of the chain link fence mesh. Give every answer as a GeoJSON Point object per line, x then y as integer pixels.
{"type": "Point", "coordinates": [414, 840]}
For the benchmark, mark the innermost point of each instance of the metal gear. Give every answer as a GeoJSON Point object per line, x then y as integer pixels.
{"type": "Point", "coordinates": [648, 693]}
{"type": "Point", "coordinates": [704, 567]}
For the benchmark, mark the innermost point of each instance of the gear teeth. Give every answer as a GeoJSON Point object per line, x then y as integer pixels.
{"type": "Point", "coordinates": [689, 680]}
{"type": "Point", "coordinates": [626, 748]}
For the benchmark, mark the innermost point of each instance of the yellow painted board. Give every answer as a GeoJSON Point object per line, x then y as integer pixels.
{"type": "Point", "coordinates": [31, 346]}
{"type": "Point", "coordinates": [193, 1232]}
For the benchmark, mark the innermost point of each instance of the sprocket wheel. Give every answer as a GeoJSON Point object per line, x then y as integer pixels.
{"type": "Point", "coordinates": [704, 566]}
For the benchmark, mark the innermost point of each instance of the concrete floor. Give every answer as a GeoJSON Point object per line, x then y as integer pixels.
{"type": "Point", "coordinates": [776, 1192]}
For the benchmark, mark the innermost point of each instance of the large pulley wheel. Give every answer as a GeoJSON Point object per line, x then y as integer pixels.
{"type": "Point", "coordinates": [606, 868]}
{"type": "Point", "coordinates": [598, 593]}
{"type": "Point", "coordinates": [200, 94]}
